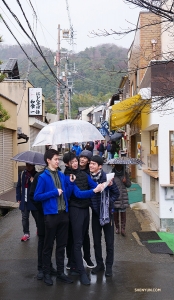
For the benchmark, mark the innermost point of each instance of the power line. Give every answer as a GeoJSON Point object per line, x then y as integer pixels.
{"type": "Point", "coordinates": [25, 52]}
{"type": "Point", "coordinates": [41, 25]}
{"type": "Point", "coordinates": [12, 23]}
{"type": "Point", "coordinates": [36, 46]}
{"type": "Point", "coordinates": [32, 8]}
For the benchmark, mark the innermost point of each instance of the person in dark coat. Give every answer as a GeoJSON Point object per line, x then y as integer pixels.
{"type": "Point", "coordinates": [101, 148]}
{"type": "Point", "coordinates": [22, 197]}
{"type": "Point", "coordinates": [113, 149]}
{"type": "Point", "coordinates": [79, 215]}
{"type": "Point", "coordinates": [122, 181]}
{"type": "Point", "coordinates": [111, 193]}
{"type": "Point", "coordinates": [84, 160]}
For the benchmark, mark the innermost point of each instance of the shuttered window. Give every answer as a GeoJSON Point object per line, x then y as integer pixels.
{"type": "Point", "coordinates": [6, 164]}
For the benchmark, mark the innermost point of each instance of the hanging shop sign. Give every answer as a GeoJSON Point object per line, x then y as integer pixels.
{"type": "Point", "coordinates": [35, 101]}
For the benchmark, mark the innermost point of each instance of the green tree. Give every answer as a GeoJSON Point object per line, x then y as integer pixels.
{"type": "Point", "coordinates": [2, 76]}
{"type": "Point", "coordinates": [4, 116]}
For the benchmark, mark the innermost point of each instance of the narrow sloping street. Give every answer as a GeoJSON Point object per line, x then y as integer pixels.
{"type": "Point", "coordinates": [137, 274]}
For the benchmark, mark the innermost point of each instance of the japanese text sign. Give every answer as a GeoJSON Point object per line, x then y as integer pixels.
{"type": "Point", "coordinates": [35, 101]}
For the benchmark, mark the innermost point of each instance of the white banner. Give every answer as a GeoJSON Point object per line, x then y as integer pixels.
{"type": "Point", "coordinates": [35, 101]}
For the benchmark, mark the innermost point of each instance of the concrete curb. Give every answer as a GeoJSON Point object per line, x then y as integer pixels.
{"type": "Point", "coordinates": [8, 204]}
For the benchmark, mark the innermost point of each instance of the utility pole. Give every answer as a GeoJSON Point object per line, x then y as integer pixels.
{"type": "Point", "coordinates": [66, 102]}
{"type": "Point", "coordinates": [58, 74]}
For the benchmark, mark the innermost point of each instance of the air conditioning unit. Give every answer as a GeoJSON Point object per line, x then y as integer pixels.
{"type": "Point", "coordinates": [152, 162]}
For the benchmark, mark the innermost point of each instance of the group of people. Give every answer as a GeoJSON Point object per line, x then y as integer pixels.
{"type": "Point", "coordinates": [77, 149]}
{"type": "Point", "coordinates": [60, 205]}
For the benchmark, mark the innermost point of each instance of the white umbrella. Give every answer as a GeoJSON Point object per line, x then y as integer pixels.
{"type": "Point", "coordinates": [67, 131]}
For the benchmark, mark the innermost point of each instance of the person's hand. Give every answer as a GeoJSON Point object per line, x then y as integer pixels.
{"type": "Point", "coordinates": [31, 179]}
{"type": "Point", "coordinates": [72, 177]}
{"type": "Point", "coordinates": [99, 188]}
{"type": "Point", "coordinates": [110, 183]}
{"type": "Point", "coordinates": [60, 191]}
{"type": "Point", "coordinates": [19, 201]}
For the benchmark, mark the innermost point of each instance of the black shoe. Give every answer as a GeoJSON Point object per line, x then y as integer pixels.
{"type": "Point", "coordinates": [53, 271]}
{"type": "Point", "coordinates": [84, 279]}
{"type": "Point", "coordinates": [98, 268]}
{"type": "Point", "coordinates": [74, 271]}
{"type": "Point", "coordinates": [47, 279]}
{"type": "Point", "coordinates": [64, 278]}
{"type": "Point", "coordinates": [89, 263]}
{"type": "Point", "coordinates": [108, 272]}
{"type": "Point", "coordinates": [40, 275]}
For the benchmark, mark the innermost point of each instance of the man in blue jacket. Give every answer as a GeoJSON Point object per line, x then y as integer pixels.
{"type": "Point", "coordinates": [110, 194]}
{"type": "Point", "coordinates": [54, 190]}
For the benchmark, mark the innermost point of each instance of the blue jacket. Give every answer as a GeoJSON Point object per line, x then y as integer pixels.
{"type": "Point", "coordinates": [77, 149]}
{"type": "Point", "coordinates": [20, 192]}
{"type": "Point", "coordinates": [113, 194]}
{"type": "Point", "coordinates": [48, 193]}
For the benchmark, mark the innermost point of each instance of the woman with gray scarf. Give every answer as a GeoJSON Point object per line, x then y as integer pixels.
{"type": "Point", "coordinates": [122, 181]}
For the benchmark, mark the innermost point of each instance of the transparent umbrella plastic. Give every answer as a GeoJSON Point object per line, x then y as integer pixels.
{"type": "Point", "coordinates": [67, 131]}
{"type": "Point", "coordinates": [125, 161]}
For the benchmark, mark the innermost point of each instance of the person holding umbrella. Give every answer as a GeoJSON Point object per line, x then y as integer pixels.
{"type": "Point", "coordinates": [122, 181]}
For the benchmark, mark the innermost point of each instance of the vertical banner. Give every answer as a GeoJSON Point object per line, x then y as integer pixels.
{"type": "Point", "coordinates": [35, 101]}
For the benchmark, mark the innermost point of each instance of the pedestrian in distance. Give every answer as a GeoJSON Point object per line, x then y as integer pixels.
{"type": "Point", "coordinates": [79, 215]}
{"type": "Point", "coordinates": [90, 146]}
{"type": "Point", "coordinates": [110, 195]}
{"type": "Point", "coordinates": [53, 190]}
{"type": "Point", "coordinates": [22, 197]}
{"type": "Point", "coordinates": [101, 148]}
{"type": "Point", "coordinates": [76, 149]}
{"type": "Point", "coordinates": [108, 148]}
{"type": "Point", "coordinates": [122, 180]}
{"type": "Point", "coordinates": [114, 148]}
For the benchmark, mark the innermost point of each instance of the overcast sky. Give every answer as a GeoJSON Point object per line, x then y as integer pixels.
{"type": "Point", "coordinates": [85, 15]}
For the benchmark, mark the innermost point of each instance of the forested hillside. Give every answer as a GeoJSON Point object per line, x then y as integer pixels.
{"type": "Point", "coordinates": [95, 71]}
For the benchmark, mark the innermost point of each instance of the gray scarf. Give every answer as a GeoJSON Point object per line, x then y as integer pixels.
{"type": "Point", "coordinates": [57, 183]}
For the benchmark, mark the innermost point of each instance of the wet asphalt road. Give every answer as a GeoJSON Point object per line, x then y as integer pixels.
{"type": "Point", "coordinates": [135, 268]}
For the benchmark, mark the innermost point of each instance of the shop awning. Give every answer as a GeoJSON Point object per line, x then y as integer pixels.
{"type": "Point", "coordinates": [125, 111]}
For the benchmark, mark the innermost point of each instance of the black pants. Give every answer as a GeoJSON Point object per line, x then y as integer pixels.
{"type": "Point", "coordinates": [86, 244]}
{"type": "Point", "coordinates": [25, 218]}
{"type": "Point", "coordinates": [41, 237]}
{"type": "Point", "coordinates": [109, 240]}
{"type": "Point", "coordinates": [79, 218]}
{"type": "Point", "coordinates": [56, 227]}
